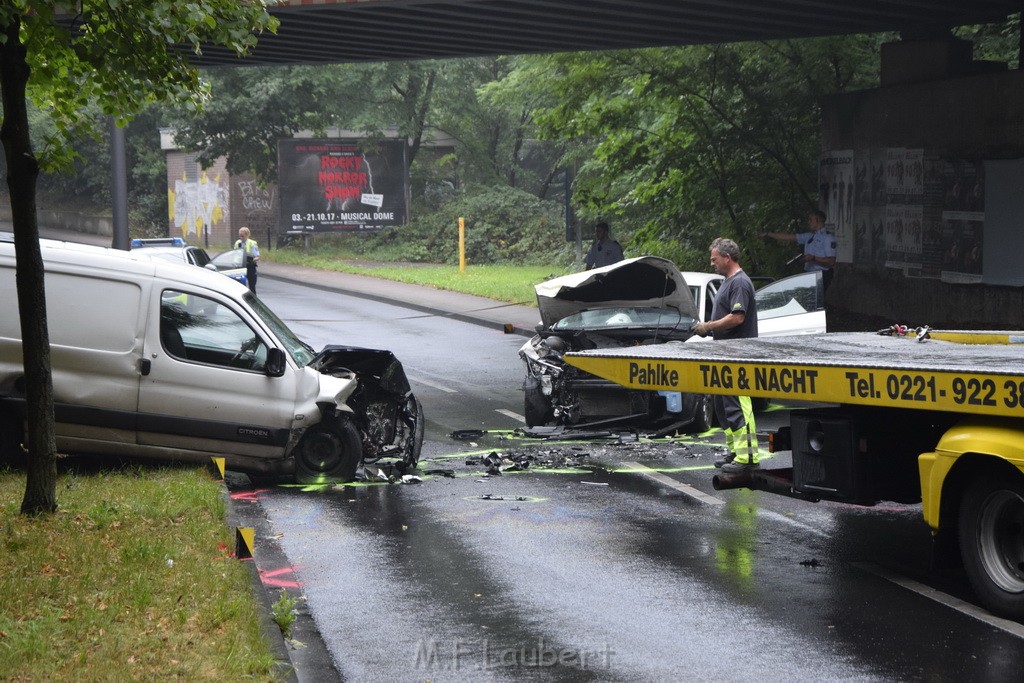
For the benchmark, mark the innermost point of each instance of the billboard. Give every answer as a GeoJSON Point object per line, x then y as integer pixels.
{"type": "Point", "coordinates": [335, 185]}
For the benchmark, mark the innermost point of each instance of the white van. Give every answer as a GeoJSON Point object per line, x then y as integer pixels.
{"type": "Point", "coordinates": [152, 359]}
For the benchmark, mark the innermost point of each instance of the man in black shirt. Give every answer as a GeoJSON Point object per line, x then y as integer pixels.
{"type": "Point", "coordinates": [733, 316]}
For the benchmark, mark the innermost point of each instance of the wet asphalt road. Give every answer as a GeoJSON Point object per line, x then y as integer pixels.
{"type": "Point", "coordinates": [602, 561]}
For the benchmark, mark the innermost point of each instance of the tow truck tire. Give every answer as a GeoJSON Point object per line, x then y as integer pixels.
{"type": "Point", "coordinates": [536, 407]}
{"type": "Point", "coordinates": [992, 542]}
{"type": "Point", "coordinates": [328, 453]}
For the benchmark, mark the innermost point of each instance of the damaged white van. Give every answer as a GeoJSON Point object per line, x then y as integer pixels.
{"type": "Point", "coordinates": [156, 360]}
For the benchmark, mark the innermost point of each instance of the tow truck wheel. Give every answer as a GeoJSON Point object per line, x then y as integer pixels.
{"type": "Point", "coordinates": [328, 453]}
{"type": "Point", "coordinates": [536, 407]}
{"type": "Point", "coordinates": [992, 542]}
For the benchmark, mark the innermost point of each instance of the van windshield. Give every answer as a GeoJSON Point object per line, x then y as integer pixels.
{"type": "Point", "coordinates": [300, 351]}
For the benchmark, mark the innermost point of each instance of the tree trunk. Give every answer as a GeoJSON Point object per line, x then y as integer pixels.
{"type": "Point", "coordinates": [22, 171]}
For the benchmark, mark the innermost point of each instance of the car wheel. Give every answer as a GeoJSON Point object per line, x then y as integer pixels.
{"type": "Point", "coordinates": [328, 453]}
{"type": "Point", "coordinates": [703, 415]}
{"type": "Point", "coordinates": [992, 542]}
{"type": "Point", "coordinates": [536, 407]}
{"type": "Point", "coordinates": [11, 435]}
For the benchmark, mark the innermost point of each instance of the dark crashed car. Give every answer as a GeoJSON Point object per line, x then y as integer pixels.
{"type": "Point", "coordinates": [642, 300]}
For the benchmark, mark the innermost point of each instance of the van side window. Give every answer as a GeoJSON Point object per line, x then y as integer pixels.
{"type": "Point", "coordinates": [197, 329]}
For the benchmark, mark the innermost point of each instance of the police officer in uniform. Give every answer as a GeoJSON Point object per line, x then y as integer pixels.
{"type": "Point", "coordinates": [252, 255]}
{"type": "Point", "coordinates": [819, 245]}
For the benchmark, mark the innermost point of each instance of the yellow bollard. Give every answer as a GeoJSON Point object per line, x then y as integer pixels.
{"type": "Point", "coordinates": [462, 244]}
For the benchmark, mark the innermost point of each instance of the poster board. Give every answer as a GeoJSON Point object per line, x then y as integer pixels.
{"type": "Point", "coordinates": [342, 185]}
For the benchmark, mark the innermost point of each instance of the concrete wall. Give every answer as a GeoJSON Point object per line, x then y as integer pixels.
{"type": "Point", "coordinates": [66, 220]}
{"type": "Point", "coordinates": [968, 119]}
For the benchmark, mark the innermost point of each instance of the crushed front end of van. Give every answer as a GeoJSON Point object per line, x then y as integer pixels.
{"type": "Point", "coordinates": [384, 419]}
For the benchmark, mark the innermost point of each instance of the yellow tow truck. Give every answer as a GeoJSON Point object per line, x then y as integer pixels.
{"type": "Point", "coordinates": [935, 417]}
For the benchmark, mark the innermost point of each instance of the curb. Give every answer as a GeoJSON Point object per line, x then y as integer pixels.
{"type": "Point", "coordinates": [304, 656]}
{"type": "Point", "coordinates": [284, 669]}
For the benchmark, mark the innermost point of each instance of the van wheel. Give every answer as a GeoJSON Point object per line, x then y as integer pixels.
{"type": "Point", "coordinates": [992, 542]}
{"type": "Point", "coordinates": [11, 430]}
{"type": "Point", "coordinates": [328, 453]}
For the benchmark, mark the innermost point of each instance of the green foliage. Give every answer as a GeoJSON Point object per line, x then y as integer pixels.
{"type": "Point", "coordinates": [284, 613]}
{"type": "Point", "coordinates": [692, 143]}
{"type": "Point", "coordinates": [119, 57]}
{"type": "Point", "coordinates": [250, 109]}
{"type": "Point", "coordinates": [502, 224]}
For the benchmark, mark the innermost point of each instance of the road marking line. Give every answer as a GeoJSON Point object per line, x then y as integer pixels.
{"type": "Point", "coordinates": [664, 480]}
{"type": "Point", "coordinates": [509, 413]}
{"type": "Point", "coordinates": [439, 387]}
{"type": "Point", "coordinates": [938, 596]}
{"type": "Point", "coordinates": [784, 519]}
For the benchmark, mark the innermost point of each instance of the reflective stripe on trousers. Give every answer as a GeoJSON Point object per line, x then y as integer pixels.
{"type": "Point", "coordinates": [736, 415]}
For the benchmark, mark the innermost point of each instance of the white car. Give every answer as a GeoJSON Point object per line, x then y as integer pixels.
{"type": "Point", "coordinates": [642, 300]}
{"type": "Point", "coordinates": [177, 250]}
{"type": "Point", "coordinates": [792, 305]}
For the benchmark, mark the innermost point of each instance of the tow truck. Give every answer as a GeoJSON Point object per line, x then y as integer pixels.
{"type": "Point", "coordinates": [934, 417]}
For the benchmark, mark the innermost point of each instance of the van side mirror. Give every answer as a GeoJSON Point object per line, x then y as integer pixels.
{"type": "Point", "coordinates": [275, 362]}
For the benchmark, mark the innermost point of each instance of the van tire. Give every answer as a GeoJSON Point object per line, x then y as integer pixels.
{"type": "Point", "coordinates": [328, 453]}
{"type": "Point", "coordinates": [11, 430]}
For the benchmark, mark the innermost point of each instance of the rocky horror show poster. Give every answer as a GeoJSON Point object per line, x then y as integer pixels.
{"type": "Point", "coordinates": [333, 185]}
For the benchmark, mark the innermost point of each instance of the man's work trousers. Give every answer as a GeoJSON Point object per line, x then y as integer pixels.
{"type": "Point", "coordinates": [736, 415]}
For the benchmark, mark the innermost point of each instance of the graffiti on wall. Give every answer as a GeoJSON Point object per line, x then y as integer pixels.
{"type": "Point", "coordinates": [198, 205]}
{"type": "Point", "coordinates": [255, 199]}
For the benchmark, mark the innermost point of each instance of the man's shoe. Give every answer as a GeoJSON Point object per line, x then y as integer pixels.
{"type": "Point", "coordinates": [736, 467]}
{"type": "Point", "coordinates": [724, 459]}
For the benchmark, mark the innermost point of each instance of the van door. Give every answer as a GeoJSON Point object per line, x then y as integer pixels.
{"type": "Point", "coordinates": [207, 389]}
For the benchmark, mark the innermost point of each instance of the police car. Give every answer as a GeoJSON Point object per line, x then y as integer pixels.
{"type": "Point", "coordinates": [176, 249]}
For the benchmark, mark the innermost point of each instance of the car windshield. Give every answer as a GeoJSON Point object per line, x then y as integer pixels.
{"type": "Point", "coordinates": [790, 296]}
{"type": "Point", "coordinates": [300, 351]}
{"type": "Point", "coordinates": [229, 260]}
{"type": "Point", "coordinates": [624, 317]}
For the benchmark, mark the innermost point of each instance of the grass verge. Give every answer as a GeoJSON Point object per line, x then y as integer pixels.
{"type": "Point", "coordinates": [132, 579]}
{"type": "Point", "coordinates": [510, 283]}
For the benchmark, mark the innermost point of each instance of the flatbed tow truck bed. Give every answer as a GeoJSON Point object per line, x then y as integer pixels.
{"type": "Point", "coordinates": [936, 418]}
{"type": "Point", "coordinates": [966, 372]}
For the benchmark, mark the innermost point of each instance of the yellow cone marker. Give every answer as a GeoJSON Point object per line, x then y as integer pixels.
{"type": "Point", "coordinates": [217, 466]}
{"type": "Point", "coordinates": [245, 538]}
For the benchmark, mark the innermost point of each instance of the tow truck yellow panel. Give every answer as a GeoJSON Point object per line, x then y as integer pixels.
{"type": "Point", "coordinates": [974, 374]}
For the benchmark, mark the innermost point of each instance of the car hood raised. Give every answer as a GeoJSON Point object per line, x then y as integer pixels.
{"type": "Point", "coordinates": [643, 281]}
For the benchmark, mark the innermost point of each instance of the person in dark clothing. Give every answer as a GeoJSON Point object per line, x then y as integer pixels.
{"type": "Point", "coordinates": [733, 316]}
